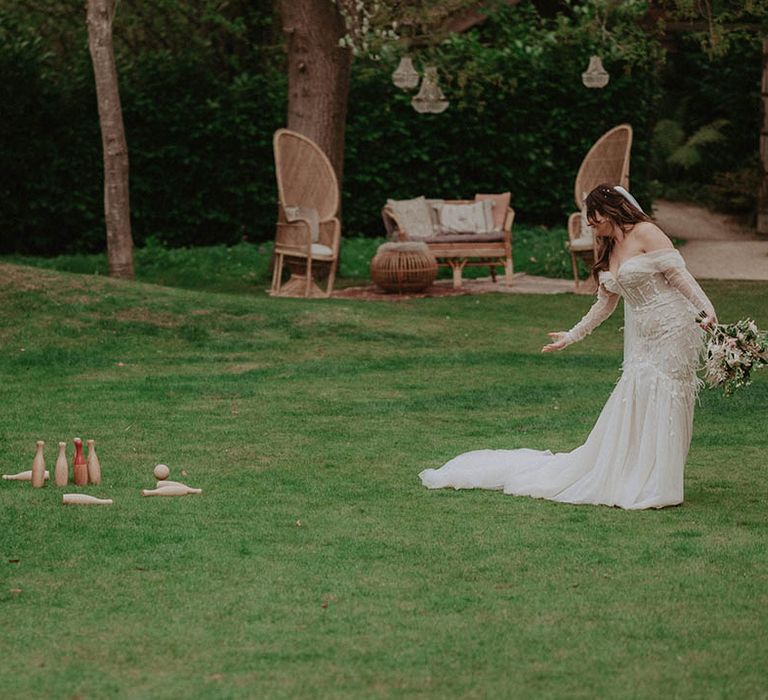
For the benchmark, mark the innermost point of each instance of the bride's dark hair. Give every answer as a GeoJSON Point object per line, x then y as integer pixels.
{"type": "Point", "coordinates": [612, 205]}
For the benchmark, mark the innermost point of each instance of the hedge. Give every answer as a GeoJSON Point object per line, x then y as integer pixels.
{"type": "Point", "coordinates": [200, 138]}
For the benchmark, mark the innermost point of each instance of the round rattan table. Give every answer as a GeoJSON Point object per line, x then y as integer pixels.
{"type": "Point", "coordinates": [404, 267]}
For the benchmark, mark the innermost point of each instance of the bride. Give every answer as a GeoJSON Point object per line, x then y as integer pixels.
{"type": "Point", "coordinates": [635, 455]}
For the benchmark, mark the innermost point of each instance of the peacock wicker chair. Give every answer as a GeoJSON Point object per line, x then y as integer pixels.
{"type": "Point", "coordinates": [606, 161]}
{"type": "Point", "coordinates": [308, 233]}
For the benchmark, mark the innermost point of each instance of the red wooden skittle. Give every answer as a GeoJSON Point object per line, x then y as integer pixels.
{"type": "Point", "coordinates": [80, 465]}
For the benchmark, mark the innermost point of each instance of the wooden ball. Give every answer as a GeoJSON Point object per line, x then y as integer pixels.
{"type": "Point", "coordinates": [162, 471]}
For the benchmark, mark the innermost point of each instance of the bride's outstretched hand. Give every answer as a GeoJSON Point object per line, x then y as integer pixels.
{"type": "Point", "coordinates": [707, 322]}
{"type": "Point", "coordinates": [558, 341]}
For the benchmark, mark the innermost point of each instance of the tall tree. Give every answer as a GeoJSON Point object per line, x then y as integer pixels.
{"type": "Point", "coordinates": [318, 74]}
{"type": "Point", "coordinates": [100, 17]}
{"type": "Point", "coordinates": [762, 195]}
{"type": "Point", "coordinates": [321, 38]}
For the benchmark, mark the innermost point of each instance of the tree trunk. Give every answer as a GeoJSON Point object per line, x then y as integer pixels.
{"type": "Point", "coordinates": [318, 74]}
{"type": "Point", "coordinates": [100, 15]}
{"type": "Point", "coordinates": [762, 198]}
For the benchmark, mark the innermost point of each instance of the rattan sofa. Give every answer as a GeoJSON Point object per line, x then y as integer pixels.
{"type": "Point", "coordinates": [459, 250]}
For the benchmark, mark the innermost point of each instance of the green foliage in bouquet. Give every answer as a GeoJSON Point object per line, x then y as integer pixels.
{"type": "Point", "coordinates": [733, 351]}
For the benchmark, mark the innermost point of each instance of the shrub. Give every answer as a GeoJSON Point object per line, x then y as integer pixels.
{"type": "Point", "coordinates": [702, 91]}
{"type": "Point", "coordinates": [735, 191]}
{"type": "Point", "coordinates": [199, 132]}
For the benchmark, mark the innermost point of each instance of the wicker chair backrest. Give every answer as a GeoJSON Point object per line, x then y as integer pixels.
{"type": "Point", "coordinates": [305, 176]}
{"type": "Point", "coordinates": [607, 161]}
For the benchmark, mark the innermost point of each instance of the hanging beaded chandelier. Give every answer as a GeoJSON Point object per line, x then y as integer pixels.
{"type": "Point", "coordinates": [405, 75]}
{"type": "Point", "coordinates": [430, 98]}
{"type": "Point", "coordinates": [595, 76]}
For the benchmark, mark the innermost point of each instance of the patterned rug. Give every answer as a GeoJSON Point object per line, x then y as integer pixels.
{"type": "Point", "coordinates": [521, 284]}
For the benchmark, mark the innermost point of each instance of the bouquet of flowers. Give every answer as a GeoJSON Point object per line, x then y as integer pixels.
{"type": "Point", "coordinates": [733, 351]}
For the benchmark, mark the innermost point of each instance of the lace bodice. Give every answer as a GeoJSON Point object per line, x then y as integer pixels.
{"type": "Point", "coordinates": [655, 286]}
{"type": "Point", "coordinates": [650, 277]}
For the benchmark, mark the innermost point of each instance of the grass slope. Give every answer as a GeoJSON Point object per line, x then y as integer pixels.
{"type": "Point", "coordinates": [315, 565]}
{"type": "Point", "coordinates": [244, 268]}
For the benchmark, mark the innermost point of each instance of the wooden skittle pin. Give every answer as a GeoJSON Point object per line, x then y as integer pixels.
{"type": "Point", "coordinates": [61, 470]}
{"type": "Point", "coordinates": [166, 484]}
{"type": "Point", "coordinates": [38, 466]}
{"type": "Point", "coordinates": [171, 490]}
{"type": "Point", "coordinates": [82, 499]}
{"type": "Point", "coordinates": [94, 466]}
{"type": "Point", "coordinates": [23, 476]}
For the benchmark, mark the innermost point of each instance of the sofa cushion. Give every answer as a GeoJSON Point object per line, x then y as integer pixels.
{"type": "Point", "coordinates": [466, 218]}
{"type": "Point", "coordinates": [308, 214]}
{"type": "Point", "coordinates": [414, 217]}
{"type": "Point", "coordinates": [500, 206]}
{"type": "Point", "coordinates": [585, 232]}
{"type": "Point", "coordinates": [434, 213]}
{"type": "Point", "coordinates": [489, 237]}
{"type": "Point", "coordinates": [586, 239]}
{"type": "Point", "coordinates": [321, 250]}
{"type": "Point", "coordinates": [581, 244]}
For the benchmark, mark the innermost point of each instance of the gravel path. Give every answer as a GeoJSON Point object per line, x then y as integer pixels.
{"type": "Point", "coordinates": [717, 246]}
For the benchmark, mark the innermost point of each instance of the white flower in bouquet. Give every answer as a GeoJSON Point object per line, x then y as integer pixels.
{"type": "Point", "coordinates": [733, 351]}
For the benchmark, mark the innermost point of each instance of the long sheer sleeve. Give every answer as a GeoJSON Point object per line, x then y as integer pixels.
{"type": "Point", "coordinates": [603, 307]}
{"type": "Point", "coordinates": [683, 282]}
{"type": "Point", "coordinates": [675, 272]}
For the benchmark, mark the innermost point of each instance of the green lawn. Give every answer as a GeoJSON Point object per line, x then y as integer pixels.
{"type": "Point", "coordinates": [315, 565]}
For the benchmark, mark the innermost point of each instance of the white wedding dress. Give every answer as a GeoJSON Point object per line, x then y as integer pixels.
{"type": "Point", "coordinates": [635, 455]}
